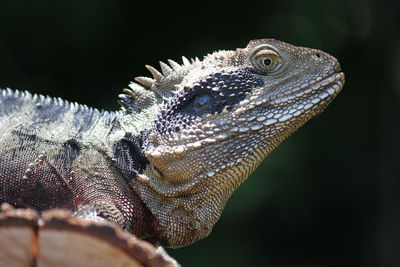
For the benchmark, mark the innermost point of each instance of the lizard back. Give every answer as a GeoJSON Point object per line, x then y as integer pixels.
{"type": "Point", "coordinates": [54, 154]}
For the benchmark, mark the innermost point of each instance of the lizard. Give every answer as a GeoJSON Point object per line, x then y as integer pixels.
{"type": "Point", "coordinates": [164, 165]}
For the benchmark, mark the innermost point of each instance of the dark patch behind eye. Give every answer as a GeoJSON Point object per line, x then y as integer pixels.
{"type": "Point", "coordinates": [202, 103]}
{"type": "Point", "coordinates": [208, 96]}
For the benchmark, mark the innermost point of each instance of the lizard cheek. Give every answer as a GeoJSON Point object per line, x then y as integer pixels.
{"type": "Point", "coordinates": [202, 104]}
{"type": "Point", "coordinates": [209, 95]}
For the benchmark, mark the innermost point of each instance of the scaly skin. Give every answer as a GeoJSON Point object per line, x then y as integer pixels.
{"type": "Point", "coordinates": [164, 167]}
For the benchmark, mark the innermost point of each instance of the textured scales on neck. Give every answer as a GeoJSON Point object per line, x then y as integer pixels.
{"type": "Point", "coordinates": [212, 122]}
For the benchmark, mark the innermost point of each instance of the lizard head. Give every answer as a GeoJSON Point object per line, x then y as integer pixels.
{"type": "Point", "coordinates": [219, 118]}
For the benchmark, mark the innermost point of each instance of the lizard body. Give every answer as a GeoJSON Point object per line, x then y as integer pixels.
{"type": "Point", "coordinates": [163, 166]}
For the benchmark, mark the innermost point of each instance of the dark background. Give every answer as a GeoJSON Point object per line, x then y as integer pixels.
{"type": "Point", "coordinates": [329, 195]}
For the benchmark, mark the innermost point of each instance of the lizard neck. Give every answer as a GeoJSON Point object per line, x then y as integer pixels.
{"type": "Point", "coordinates": [187, 212]}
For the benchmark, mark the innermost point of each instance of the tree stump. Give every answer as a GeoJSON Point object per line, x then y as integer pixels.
{"type": "Point", "coordinates": [55, 238]}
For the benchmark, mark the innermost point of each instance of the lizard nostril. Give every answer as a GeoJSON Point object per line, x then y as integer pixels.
{"type": "Point", "coordinates": [318, 55]}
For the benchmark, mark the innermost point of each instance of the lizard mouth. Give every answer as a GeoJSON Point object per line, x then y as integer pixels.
{"type": "Point", "coordinates": [323, 88]}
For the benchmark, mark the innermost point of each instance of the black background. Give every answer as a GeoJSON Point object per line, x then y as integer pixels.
{"type": "Point", "coordinates": [329, 195]}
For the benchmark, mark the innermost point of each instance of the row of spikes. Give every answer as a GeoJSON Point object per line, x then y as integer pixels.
{"type": "Point", "coordinates": [136, 98]}
{"type": "Point", "coordinates": [166, 70]}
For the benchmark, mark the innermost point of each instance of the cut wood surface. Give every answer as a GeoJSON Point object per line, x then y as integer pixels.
{"type": "Point", "coordinates": [55, 238]}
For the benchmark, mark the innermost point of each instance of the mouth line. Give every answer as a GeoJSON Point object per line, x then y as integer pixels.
{"type": "Point", "coordinates": [324, 84]}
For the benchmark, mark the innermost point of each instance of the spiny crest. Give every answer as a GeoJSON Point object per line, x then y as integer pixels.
{"type": "Point", "coordinates": [43, 103]}
{"type": "Point", "coordinates": [146, 91]}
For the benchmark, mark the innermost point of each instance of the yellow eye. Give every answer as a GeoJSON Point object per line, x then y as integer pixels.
{"type": "Point", "coordinates": [267, 62]}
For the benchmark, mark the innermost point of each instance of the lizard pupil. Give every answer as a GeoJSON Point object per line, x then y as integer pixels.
{"type": "Point", "coordinates": [267, 62]}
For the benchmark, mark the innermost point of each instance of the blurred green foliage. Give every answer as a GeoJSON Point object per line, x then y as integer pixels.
{"type": "Point", "coordinates": [328, 196]}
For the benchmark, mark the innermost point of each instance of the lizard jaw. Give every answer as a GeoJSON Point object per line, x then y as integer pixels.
{"type": "Point", "coordinates": [322, 87]}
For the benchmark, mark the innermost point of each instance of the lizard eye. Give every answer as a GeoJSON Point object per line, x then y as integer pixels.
{"type": "Point", "coordinates": [266, 60]}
